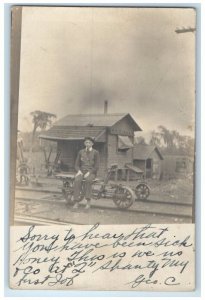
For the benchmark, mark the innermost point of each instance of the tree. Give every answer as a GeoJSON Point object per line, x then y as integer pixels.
{"type": "Point", "coordinates": [166, 136]}
{"type": "Point", "coordinates": [155, 139]}
{"type": "Point", "coordinates": [171, 142]}
{"type": "Point", "coordinates": [186, 145]}
{"type": "Point", "coordinates": [169, 138]}
{"type": "Point", "coordinates": [40, 120]}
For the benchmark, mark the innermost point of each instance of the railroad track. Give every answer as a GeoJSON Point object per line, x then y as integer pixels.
{"type": "Point", "coordinates": [138, 200]}
{"type": "Point", "coordinates": [148, 207]}
{"type": "Point", "coordinates": [30, 220]}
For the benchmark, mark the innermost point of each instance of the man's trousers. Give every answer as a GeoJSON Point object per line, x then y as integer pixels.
{"type": "Point", "coordinates": [87, 186]}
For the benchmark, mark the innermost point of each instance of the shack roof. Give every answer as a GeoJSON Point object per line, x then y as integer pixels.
{"type": "Point", "coordinates": [143, 152]}
{"type": "Point", "coordinates": [73, 133]}
{"type": "Point", "coordinates": [78, 126]}
{"type": "Point", "coordinates": [105, 120]}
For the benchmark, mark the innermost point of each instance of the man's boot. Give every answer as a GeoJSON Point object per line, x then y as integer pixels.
{"type": "Point", "coordinates": [75, 206]}
{"type": "Point", "coordinates": [88, 204]}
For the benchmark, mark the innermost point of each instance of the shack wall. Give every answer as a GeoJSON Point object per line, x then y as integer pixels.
{"type": "Point", "coordinates": [155, 171]}
{"type": "Point", "coordinates": [140, 164]}
{"type": "Point", "coordinates": [175, 166]}
{"type": "Point", "coordinates": [117, 157]}
{"type": "Point", "coordinates": [123, 127]}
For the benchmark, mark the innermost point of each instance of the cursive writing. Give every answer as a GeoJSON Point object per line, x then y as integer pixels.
{"type": "Point", "coordinates": [140, 256]}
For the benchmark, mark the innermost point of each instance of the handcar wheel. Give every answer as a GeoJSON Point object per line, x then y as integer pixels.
{"type": "Point", "coordinates": [142, 191]}
{"type": "Point", "coordinates": [67, 191]}
{"type": "Point", "coordinates": [123, 197]}
{"type": "Point", "coordinates": [67, 196]}
{"type": "Point", "coordinates": [81, 196]}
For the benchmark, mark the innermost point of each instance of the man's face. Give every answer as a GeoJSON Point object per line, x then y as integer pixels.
{"type": "Point", "coordinates": [88, 143]}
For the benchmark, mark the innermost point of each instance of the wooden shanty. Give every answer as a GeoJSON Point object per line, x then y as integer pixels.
{"type": "Point", "coordinates": [113, 134]}
{"type": "Point", "coordinates": [148, 159]}
{"type": "Point", "coordinates": [177, 166]}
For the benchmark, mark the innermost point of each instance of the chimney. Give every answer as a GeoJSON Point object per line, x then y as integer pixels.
{"type": "Point", "coordinates": [105, 107]}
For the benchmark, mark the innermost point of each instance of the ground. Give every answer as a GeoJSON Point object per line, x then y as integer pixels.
{"type": "Point", "coordinates": [179, 190]}
{"type": "Point", "coordinates": [104, 211]}
{"type": "Point", "coordinates": [170, 201]}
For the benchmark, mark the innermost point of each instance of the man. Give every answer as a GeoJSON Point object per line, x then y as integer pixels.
{"type": "Point", "coordinates": [86, 166]}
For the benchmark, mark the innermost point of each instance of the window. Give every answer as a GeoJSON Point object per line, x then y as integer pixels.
{"type": "Point", "coordinates": [148, 163]}
{"type": "Point", "coordinates": [181, 166]}
{"type": "Point", "coordinates": [124, 143]}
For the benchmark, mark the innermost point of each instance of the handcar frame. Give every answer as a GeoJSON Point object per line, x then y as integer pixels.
{"type": "Point", "coordinates": [122, 195]}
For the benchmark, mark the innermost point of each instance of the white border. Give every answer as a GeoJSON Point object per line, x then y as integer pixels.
{"type": "Point", "coordinates": [3, 130]}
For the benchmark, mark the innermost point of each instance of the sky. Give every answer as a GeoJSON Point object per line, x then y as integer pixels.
{"type": "Point", "coordinates": [73, 59]}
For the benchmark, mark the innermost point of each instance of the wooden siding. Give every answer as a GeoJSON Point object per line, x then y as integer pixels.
{"type": "Point", "coordinates": [103, 158]}
{"type": "Point", "coordinates": [155, 169]}
{"type": "Point", "coordinates": [114, 156]}
{"type": "Point", "coordinates": [171, 170]}
{"type": "Point", "coordinates": [140, 164]}
{"type": "Point", "coordinates": [156, 165]}
{"type": "Point", "coordinates": [109, 153]}
{"type": "Point", "coordinates": [122, 127]}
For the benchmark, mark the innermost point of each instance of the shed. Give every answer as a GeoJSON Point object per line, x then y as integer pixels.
{"type": "Point", "coordinates": [176, 166]}
{"type": "Point", "coordinates": [148, 158]}
{"type": "Point", "coordinates": [113, 134]}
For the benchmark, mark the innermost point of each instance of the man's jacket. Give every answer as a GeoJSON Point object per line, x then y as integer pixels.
{"type": "Point", "coordinates": [87, 161]}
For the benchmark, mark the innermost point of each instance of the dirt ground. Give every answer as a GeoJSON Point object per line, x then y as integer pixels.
{"type": "Point", "coordinates": [178, 190]}
{"type": "Point", "coordinates": [173, 190]}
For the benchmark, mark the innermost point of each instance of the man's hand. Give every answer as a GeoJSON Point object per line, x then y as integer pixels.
{"type": "Point", "coordinates": [78, 173]}
{"type": "Point", "coordinates": [86, 174]}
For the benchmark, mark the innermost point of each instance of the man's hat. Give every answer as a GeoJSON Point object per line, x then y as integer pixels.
{"type": "Point", "coordinates": [89, 138]}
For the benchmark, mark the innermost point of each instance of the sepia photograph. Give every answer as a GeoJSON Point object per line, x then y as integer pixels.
{"type": "Point", "coordinates": [102, 173]}
{"type": "Point", "coordinates": [105, 116]}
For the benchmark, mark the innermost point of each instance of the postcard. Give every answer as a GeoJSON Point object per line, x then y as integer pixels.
{"type": "Point", "coordinates": [102, 148]}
